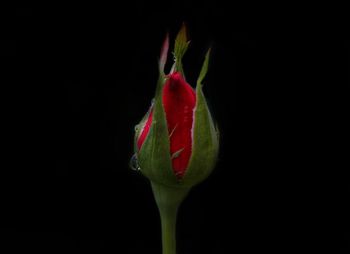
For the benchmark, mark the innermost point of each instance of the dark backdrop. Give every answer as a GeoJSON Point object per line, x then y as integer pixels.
{"type": "Point", "coordinates": [77, 78]}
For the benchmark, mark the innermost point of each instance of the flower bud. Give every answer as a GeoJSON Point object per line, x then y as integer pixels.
{"type": "Point", "coordinates": [176, 143]}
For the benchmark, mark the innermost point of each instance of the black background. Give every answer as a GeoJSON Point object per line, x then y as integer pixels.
{"type": "Point", "coordinates": [77, 78]}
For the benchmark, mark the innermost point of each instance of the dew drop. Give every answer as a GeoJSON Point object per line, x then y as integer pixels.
{"type": "Point", "coordinates": [134, 164]}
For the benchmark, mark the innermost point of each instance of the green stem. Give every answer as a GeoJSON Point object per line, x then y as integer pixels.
{"type": "Point", "coordinates": [168, 200]}
{"type": "Point", "coordinates": [168, 221]}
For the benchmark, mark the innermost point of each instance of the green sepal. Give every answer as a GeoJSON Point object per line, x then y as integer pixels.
{"type": "Point", "coordinates": [204, 69]}
{"type": "Point", "coordinates": [180, 48]}
{"type": "Point", "coordinates": [164, 54]}
{"type": "Point", "coordinates": [205, 146]}
{"type": "Point", "coordinates": [154, 156]}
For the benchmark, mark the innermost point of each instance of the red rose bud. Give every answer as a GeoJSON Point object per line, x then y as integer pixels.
{"type": "Point", "coordinates": [179, 100]}
{"type": "Point", "coordinates": [176, 143]}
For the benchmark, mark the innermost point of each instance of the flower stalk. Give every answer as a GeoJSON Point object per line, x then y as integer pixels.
{"type": "Point", "coordinates": [168, 200]}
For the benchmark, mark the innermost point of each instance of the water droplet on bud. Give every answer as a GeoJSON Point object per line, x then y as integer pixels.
{"type": "Point", "coordinates": [134, 164]}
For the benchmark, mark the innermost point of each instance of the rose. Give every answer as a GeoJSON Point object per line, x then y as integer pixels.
{"type": "Point", "coordinates": [176, 143]}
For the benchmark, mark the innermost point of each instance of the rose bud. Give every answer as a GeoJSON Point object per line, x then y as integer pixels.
{"type": "Point", "coordinates": [176, 143]}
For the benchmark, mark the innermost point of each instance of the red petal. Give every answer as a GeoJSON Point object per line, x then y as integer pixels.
{"type": "Point", "coordinates": [145, 130]}
{"type": "Point", "coordinates": [179, 100]}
